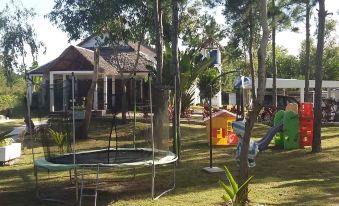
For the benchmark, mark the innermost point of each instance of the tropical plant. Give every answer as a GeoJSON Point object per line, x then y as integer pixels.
{"type": "Point", "coordinates": [204, 83]}
{"type": "Point", "coordinates": [59, 138]}
{"type": "Point", "coordinates": [234, 192]}
{"type": "Point", "coordinates": [187, 98]}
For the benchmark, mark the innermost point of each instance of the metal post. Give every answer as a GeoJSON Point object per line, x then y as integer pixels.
{"type": "Point", "coordinates": [152, 133]}
{"type": "Point", "coordinates": [73, 134]}
{"type": "Point", "coordinates": [212, 169]}
{"type": "Point", "coordinates": [175, 118]}
{"type": "Point", "coordinates": [211, 142]}
{"type": "Point", "coordinates": [134, 108]}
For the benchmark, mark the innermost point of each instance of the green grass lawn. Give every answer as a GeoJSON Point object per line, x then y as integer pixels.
{"type": "Point", "coordinates": [295, 177]}
{"type": "Point", "coordinates": [6, 126]}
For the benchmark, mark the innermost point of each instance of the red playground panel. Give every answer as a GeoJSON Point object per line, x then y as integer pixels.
{"type": "Point", "coordinates": [306, 124]}
{"type": "Point", "coordinates": [232, 138]}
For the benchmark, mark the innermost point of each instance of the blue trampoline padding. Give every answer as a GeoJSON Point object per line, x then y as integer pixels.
{"type": "Point", "coordinates": [43, 163]}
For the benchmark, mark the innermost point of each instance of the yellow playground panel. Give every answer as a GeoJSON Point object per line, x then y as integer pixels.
{"type": "Point", "coordinates": [222, 131]}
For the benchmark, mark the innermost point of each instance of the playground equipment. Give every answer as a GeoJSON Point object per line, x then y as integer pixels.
{"type": "Point", "coordinates": [140, 148]}
{"type": "Point", "coordinates": [222, 131]}
{"type": "Point", "coordinates": [292, 129]}
{"type": "Point", "coordinates": [239, 129]}
{"type": "Point", "coordinates": [298, 127]}
{"type": "Point", "coordinates": [306, 117]}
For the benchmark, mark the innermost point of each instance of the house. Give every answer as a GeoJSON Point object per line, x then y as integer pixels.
{"type": "Point", "coordinates": [116, 65]}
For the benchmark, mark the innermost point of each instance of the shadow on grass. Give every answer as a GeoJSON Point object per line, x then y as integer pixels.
{"type": "Point", "coordinates": [277, 169]}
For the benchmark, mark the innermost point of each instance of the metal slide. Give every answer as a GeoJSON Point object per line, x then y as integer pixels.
{"type": "Point", "coordinates": [265, 141]}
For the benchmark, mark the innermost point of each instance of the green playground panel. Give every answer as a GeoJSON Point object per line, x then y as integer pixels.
{"type": "Point", "coordinates": [291, 130]}
{"type": "Point", "coordinates": [279, 137]}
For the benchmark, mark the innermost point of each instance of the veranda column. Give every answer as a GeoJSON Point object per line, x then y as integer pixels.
{"type": "Point", "coordinates": [51, 92]}
{"type": "Point", "coordinates": [113, 91]}
{"type": "Point", "coordinates": [302, 94]}
{"type": "Point", "coordinates": [105, 92]}
{"type": "Point", "coordinates": [329, 93]}
{"type": "Point", "coordinates": [95, 101]}
{"type": "Point", "coordinates": [43, 92]}
{"type": "Point", "coordinates": [141, 89]}
{"type": "Point", "coordinates": [64, 92]}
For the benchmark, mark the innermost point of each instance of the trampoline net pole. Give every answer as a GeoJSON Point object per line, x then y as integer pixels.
{"type": "Point", "coordinates": [73, 135]}
{"type": "Point", "coordinates": [152, 133]}
{"type": "Point", "coordinates": [134, 109]}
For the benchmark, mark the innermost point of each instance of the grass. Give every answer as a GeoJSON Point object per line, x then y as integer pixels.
{"type": "Point", "coordinates": [6, 126]}
{"type": "Point", "coordinates": [281, 177]}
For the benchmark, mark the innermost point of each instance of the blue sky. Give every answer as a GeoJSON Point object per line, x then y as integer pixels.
{"type": "Point", "coordinates": [56, 40]}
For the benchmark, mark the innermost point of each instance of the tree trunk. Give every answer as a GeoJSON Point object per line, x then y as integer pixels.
{"type": "Point", "coordinates": [260, 94]}
{"type": "Point", "coordinates": [250, 53]}
{"type": "Point", "coordinates": [176, 69]}
{"type": "Point", "coordinates": [274, 67]}
{"type": "Point", "coordinates": [159, 95]}
{"type": "Point", "coordinates": [316, 145]}
{"type": "Point", "coordinates": [158, 38]}
{"type": "Point", "coordinates": [89, 99]}
{"type": "Point", "coordinates": [307, 54]}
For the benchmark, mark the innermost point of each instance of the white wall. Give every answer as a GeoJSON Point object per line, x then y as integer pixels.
{"type": "Point", "coordinates": [232, 99]}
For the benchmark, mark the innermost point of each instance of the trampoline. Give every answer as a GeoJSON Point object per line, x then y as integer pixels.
{"type": "Point", "coordinates": [144, 152]}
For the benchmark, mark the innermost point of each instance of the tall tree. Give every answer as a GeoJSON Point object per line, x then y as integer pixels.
{"type": "Point", "coordinates": [176, 69]}
{"type": "Point", "coordinates": [309, 4]}
{"type": "Point", "coordinates": [243, 26]}
{"type": "Point", "coordinates": [316, 145]}
{"type": "Point", "coordinates": [282, 13]}
{"type": "Point", "coordinates": [160, 104]}
{"type": "Point", "coordinates": [307, 54]}
{"type": "Point", "coordinates": [16, 35]}
{"type": "Point", "coordinates": [258, 103]}
{"type": "Point", "coordinates": [274, 66]}
{"type": "Point", "coordinates": [89, 98]}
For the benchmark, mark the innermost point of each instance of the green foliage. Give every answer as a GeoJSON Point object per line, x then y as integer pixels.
{"type": "Point", "coordinates": [192, 64]}
{"type": "Point", "coordinates": [11, 94]}
{"type": "Point", "coordinates": [8, 101]}
{"type": "Point", "coordinates": [16, 36]}
{"type": "Point", "coordinates": [186, 100]}
{"type": "Point", "coordinates": [5, 139]}
{"type": "Point", "coordinates": [234, 193]}
{"type": "Point", "coordinates": [204, 83]}
{"type": "Point", "coordinates": [59, 138]}
{"type": "Point", "coordinates": [330, 60]}
{"type": "Point", "coordinates": [122, 20]}
{"type": "Point", "coordinates": [288, 66]}
{"type": "Point", "coordinates": [6, 142]}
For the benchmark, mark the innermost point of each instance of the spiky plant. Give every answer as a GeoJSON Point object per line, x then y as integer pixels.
{"type": "Point", "coordinates": [234, 193]}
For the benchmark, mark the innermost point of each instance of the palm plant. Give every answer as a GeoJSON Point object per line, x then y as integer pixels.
{"type": "Point", "coordinates": [59, 138]}
{"type": "Point", "coordinates": [234, 193]}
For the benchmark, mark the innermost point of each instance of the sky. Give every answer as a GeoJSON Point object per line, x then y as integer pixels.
{"type": "Point", "coordinates": [56, 40]}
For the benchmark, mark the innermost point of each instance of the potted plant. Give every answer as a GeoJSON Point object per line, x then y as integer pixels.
{"type": "Point", "coordinates": [9, 150]}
